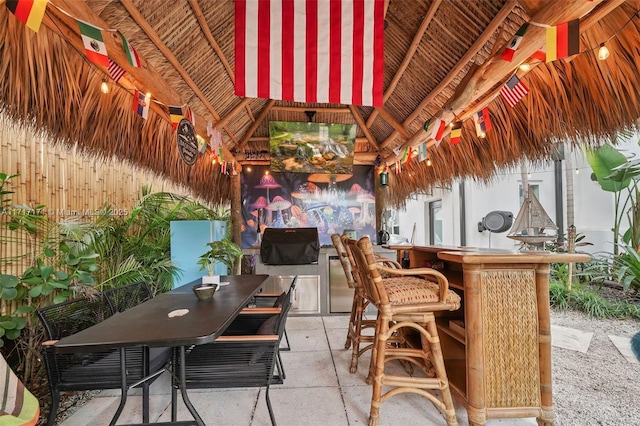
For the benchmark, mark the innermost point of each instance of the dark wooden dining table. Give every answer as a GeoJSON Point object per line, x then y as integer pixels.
{"type": "Point", "coordinates": [154, 323]}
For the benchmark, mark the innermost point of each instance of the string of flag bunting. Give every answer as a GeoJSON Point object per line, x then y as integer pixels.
{"type": "Point", "coordinates": [31, 13]}
{"type": "Point", "coordinates": [561, 41]}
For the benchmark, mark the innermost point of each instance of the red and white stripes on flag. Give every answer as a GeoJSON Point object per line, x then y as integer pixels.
{"type": "Point", "coordinates": [115, 71]}
{"type": "Point", "coordinates": [316, 51]}
{"type": "Point", "coordinates": [513, 91]}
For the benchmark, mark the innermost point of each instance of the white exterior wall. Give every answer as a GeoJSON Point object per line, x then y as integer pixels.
{"type": "Point", "coordinates": [593, 207]}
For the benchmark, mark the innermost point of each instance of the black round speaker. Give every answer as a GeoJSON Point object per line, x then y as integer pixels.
{"type": "Point", "coordinates": [497, 221]}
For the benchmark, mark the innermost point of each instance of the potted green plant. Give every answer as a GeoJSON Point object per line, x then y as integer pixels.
{"type": "Point", "coordinates": [224, 251]}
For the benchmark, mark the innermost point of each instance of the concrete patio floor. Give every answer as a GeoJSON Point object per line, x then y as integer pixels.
{"type": "Point", "coordinates": [318, 390]}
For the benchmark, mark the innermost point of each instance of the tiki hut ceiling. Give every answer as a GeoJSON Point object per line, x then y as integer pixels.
{"type": "Point", "coordinates": [441, 60]}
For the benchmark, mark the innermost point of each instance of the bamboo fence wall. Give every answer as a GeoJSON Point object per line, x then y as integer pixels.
{"type": "Point", "coordinates": [66, 182]}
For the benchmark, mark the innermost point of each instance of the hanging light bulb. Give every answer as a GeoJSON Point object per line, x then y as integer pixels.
{"type": "Point", "coordinates": [104, 87]}
{"type": "Point", "coordinates": [483, 135]}
{"type": "Point", "coordinates": [429, 162]}
{"type": "Point", "coordinates": [577, 171]}
{"type": "Point", "coordinates": [603, 52]}
{"type": "Point", "coordinates": [529, 175]}
{"type": "Point", "coordinates": [525, 66]}
{"type": "Point", "coordinates": [248, 169]}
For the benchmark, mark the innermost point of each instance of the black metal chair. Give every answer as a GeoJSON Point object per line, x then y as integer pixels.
{"type": "Point", "coordinates": [237, 360]}
{"type": "Point", "coordinates": [127, 296]}
{"type": "Point", "coordinates": [92, 370]}
{"type": "Point", "coordinates": [266, 300]}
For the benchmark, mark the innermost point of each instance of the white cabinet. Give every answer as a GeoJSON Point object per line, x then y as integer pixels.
{"type": "Point", "coordinates": [306, 296]}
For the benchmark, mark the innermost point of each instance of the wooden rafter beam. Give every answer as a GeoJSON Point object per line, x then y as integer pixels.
{"type": "Point", "coordinates": [495, 70]}
{"type": "Point", "coordinates": [417, 38]}
{"type": "Point", "coordinates": [363, 126]}
{"type": "Point", "coordinates": [197, 11]}
{"type": "Point", "coordinates": [585, 24]}
{"type": "Point", "coordinates": [155, 39]}
{"type": "Point", "coordinates": [223, 120]}
{"type": "Point", "coordinates": [255, 124]}
{"type": "Point", "coordinates": [394, 123]}
{"type": "Point", "coordinates": [359, 159]}
{"type": "Point", "coordinates": [473, 51]}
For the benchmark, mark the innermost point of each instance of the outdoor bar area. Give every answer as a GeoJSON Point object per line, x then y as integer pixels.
{"type": "Point", "coordinates": [262, 212]}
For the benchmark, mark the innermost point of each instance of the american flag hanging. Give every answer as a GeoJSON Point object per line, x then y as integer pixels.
{"type": "Point", "coordinates": [513, 91]}
{"type": "Point", "coordinates": [115, 71]}
{"type": "Point", "coordinates": [310, 50]}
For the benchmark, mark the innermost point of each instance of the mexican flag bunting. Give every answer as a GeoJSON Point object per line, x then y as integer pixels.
{"type": "Point", "coordinates": [202, 144]}
{"type": "Point", "coordinates": [456, 133]}
{"type": "Point", "coordinates": [563, 40]}
{"type": "Point", "coordinates": [483, 122]}
{"type": "Point", "coordinates": [94, 44]}
{"type": "Point", "coordinates": [131, 53]}
{"type": "Point", "coordinates": [422, 152]}
{"type": "Point", "coordinates": [141, 104]}
{"type": "Point", "coordinates": [29, 12]}
{"type": "Point", "coordinates": [175, 112]}
{"type": "Point", "coordinates": [508, 52]}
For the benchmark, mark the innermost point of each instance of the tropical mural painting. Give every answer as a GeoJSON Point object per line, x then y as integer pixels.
{"type": "Point", "coordinates": [329, 202]}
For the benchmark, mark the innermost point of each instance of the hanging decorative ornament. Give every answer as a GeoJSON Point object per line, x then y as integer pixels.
{"type": "Point", "coordinates": [215, 138]}
{"type": "Point", "coordinates": [384, 178]}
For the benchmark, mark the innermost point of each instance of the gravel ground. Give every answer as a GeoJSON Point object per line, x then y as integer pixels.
{"type": "Point", "coordinates": [599, 387]}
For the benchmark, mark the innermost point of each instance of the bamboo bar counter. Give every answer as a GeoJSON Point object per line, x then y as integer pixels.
{"type": "Point", "coordinates": [497, 346]}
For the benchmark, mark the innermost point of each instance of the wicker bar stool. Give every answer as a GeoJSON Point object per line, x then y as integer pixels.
{"type": "Point", "coordinates": [355, 336]}
{"type": "Point", "coordinates": [406, 301]}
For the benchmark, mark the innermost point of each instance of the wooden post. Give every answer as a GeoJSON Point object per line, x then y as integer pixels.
{"type": "Point", "coordinates": [571, 237]}
{"type": "Point", "coordinates": [236, 212]}
{"type": "Point", "coordinates": [381, 199]}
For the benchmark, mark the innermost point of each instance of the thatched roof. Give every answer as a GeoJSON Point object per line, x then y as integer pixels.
{"type": "Point", "coordinates": [441, 60]}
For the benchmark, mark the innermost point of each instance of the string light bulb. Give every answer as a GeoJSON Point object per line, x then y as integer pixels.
{"type": "Point", "coordinates": [525, 66]}
{"type": "Point", "coordinates": [603, 52]}
{"type": "Point", "coordinates": [577, 171]}
{"type": "Point", "coordinates": [429, 162]}
{"type": "Point", "coordinates": [104, 87]}
{"type": "Point", "coordinates": [483, 135]}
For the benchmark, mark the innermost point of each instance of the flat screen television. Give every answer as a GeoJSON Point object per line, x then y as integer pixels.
{"type": "Point", "coordinates": [311, 147]}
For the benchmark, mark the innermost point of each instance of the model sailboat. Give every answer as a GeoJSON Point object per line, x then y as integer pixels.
{"type": "Point", "coordinates": [532, 223]}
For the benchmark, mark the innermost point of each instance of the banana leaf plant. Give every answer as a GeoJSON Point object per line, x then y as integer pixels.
{"type": "Point", "coordinates": [616, 173]}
